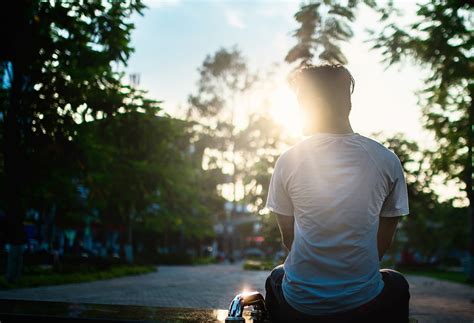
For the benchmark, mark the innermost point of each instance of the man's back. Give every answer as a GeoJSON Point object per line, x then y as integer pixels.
{"type": "Point", "coordinates": [336, 186]}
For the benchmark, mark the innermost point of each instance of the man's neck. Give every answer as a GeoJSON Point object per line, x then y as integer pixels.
{"type": "Point", "coordinates": [335, 128]}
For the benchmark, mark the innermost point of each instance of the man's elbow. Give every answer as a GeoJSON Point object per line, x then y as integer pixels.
{"type": "Point", "coordinates": [286, 225]}
{"type": "Point", "coordinates": [286, 245]}
{"type": "Point", "coordinates": [383, 249]}
{"type": "Point", "coordinates": [287, 242]}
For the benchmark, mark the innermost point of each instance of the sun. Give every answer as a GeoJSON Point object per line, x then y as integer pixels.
{"type": "Point", "coordinates": [284, 110]}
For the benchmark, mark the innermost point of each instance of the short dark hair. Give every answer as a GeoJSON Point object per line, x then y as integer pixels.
{"type": "Point", "coordinates": [334, 81]}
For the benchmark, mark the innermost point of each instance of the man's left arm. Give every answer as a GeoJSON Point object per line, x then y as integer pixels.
{"type": "Point", "coordinates": [386, 233]}
{"type": "Point", "coordinates": [394, 207]}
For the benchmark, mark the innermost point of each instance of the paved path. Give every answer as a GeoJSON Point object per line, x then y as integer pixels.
{"type": "Point", "coordinates": [213, 286]}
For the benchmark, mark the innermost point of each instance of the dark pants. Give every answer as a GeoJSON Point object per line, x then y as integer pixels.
{"type": "Point", "coordinates": [391, 305]}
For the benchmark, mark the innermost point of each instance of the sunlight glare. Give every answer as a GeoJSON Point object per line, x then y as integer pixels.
{"type": "Point", "coordinates": [245, 289]}
{"type": "Point", "coordinates": [284, 110]}
{"type": "Point", "coordinates": [220, 315]}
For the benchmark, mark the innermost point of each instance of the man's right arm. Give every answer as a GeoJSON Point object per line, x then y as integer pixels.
{"type": "Point", "coordinates": [386, 233]}
{"type": "Point", "coordinates": [286, 225]}
{"type": "Point", "coordinates": [280, 204]}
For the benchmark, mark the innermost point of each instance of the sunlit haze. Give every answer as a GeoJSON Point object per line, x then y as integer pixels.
{"type": "Point", "coordinates": [163, 160]}
{"type": "Point", "coordinates": [284, 109]}
{"type": "Point", "coordinates": [168, 54]}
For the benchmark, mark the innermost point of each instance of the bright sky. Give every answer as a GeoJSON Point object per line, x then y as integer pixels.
{"type": "Point", "coordinates": [173, 38]}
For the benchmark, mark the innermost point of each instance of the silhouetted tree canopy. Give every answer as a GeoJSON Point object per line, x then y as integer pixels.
{"type": "Point", "coordinates": [440, 39]}
{"type": "Point", "coordinates": [323, 25]}
{"type": "Point", "coordinates": [59, 65]}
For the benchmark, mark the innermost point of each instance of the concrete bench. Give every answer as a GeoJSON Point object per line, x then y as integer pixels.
{"type": "Point", "coordinates": [13, 311]}
{"type": "Point", "coordinates": [39, 311]}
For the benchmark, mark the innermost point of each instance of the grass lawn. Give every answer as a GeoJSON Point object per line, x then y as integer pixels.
{"type": "Point", "coordinates": [259, 265]}
{"type": "Point", "coordinates": [204, 261]}
{"type": "Point", "coordinates": [51, 278]}
{"type": "Point", "coordinates": [457, 277]}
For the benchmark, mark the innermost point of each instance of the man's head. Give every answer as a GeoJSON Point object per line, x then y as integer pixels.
{"type": "Point", "coordinates": [324, 94]}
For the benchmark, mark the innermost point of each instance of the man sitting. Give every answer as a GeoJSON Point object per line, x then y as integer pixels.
{"type": "Point", "coordinates": [338, 197]}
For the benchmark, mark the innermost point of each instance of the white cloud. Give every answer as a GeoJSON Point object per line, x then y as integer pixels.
{"type": "Point", "coordinates": [281, 41]}
{"type": "Point", "coordinates": [234, 19]}
{"type": "Point", "coordinates": [154, 4]}
{"type": "Point", "coordinates": [285, 9]}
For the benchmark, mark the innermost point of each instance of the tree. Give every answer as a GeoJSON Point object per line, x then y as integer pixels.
{"type": "Point", "coordinates": [224, 82]}
{"type": "Point", "coordinates": [323, 26]}
{"type": "Point", "coordinates": [441, 40]}
{"type": "Point", "coordinates": [139, 170]}
{"type": "Point", "coordinates": [239, 141]}
{"type": "Point", "coordinates": [267, 140]}
{"type": "Point", "coordinates": [432, 228]}
{"type": "Point", "coordinates": [57, 66]}
{"type": "Point", "coordinates": [260, 143]}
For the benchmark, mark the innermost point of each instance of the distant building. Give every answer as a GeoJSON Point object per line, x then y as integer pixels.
{"type": "Point", "coordinates": [238, 231]}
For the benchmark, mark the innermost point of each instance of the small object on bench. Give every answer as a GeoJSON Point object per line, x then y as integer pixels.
{"type": "Point", "coordinates": [236, 308]}
{"type": "Point", "coordinates": [259, 313]}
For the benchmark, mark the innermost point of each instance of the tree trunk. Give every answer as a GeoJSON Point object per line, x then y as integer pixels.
{"type": "Point", "coordinates": [13, 168]}
{"type": "Point", "coordinates": [129, 245]}
{"type": "Point", "coordinates": [469, 182]}
{"type": "Point", "coordinates": [15, 125]}
{"type": "Point", "coordinates": [130, 229]}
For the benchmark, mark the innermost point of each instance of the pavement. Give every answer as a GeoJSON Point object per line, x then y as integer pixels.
{"type": "Point", "coordinates": [214, 286]}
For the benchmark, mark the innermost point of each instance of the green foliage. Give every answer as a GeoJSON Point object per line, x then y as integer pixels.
{"type": "Point", "coordinates": [323, 26]}
{"type": "Point", "coordinates": [139, 169]}
{"type": "Point", "coordinates": [58, 68]}
{"type": "Point", "coordinates": [67, 69]}
{"type": "Point", "coordinates": [46, 277]}
{"type": "Point", "coordinates": [271, 231]}
{"type": "Point", "coordinates": [70, 122]}
{"type": "Point", "coordinates": [249, 151]}
{"type": "Point", "coordinates": [452, 276]}
{"type": "Point", "coordinates": [259, 144]}
{"type": "Point", "coordinates": [266, 265]}
{"type": "Point", "coordinates": [223, 76]}
{"type": "Point", "coordinates": [224, 81]}
{"type": "Point", "coordinates": [432, 227]}
{"type": "Point", "coordinates": [441, 40]}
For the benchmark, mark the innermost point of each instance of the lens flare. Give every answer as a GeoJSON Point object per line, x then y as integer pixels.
{"type": "Point", "coordinates": [284, 110]}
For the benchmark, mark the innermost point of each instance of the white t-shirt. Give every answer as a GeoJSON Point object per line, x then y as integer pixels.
{"type": "Point", "coordinates": [336, 186]}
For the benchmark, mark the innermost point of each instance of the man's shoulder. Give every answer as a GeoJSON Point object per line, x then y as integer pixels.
{"type": "Point", "coordinates": [293, 153]}
{"type": "Point", "coordinates": [286, 157]}
{"type": "Point", "coordinates": [378, 151]}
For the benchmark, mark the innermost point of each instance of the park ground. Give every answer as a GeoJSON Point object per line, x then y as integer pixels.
{"type": "Point", "coordinates": [213, 286]}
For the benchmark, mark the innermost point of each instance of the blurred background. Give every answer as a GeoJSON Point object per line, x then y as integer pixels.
{"type": "Point", "coordinates": [137, 133]}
